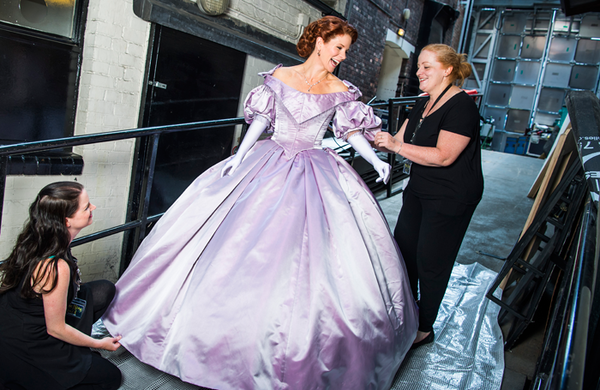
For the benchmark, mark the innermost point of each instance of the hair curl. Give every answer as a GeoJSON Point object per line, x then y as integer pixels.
{"type": "Point", "coordinates": [327, 28]}
{"type": "Point", "coordinates": [44, 236]}
{"type": "Point", "coordinates": [447, 56]}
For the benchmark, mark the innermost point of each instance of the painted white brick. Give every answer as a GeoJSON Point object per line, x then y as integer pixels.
{"type": "Point", "coordinates": [99, 80]}
{"type": "Point", "coordinates": [110, 121]}
{"type": "Point", "coordinates": [101, 41]}
{"type": "Point", "coordinates": [136, 50]}
{"type": "Point", "coordinates": [118, 45]}
{"type": "Point", "coordinates": [127, 60]}
{"type": "Point", "coordinates": [103, 54]}
{"type": "Point", "coordinates": [130, 98]}
{"type": "Point", "coordinates": [133, 75]}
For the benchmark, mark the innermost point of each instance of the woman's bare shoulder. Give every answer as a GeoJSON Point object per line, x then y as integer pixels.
{"type": "Point", "coordinates": [336, 85]}
{"type": "Point", "coordinates": [283, 73]}
{"type": "Point", "coordinates": [45, 271]}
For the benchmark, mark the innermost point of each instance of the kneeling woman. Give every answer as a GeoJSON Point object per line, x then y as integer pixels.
{"type": "Point", "coordinates": [46, 314]}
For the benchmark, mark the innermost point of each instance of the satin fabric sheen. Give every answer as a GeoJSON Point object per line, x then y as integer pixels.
{"type": "Point", "coordinates": [283, 275]}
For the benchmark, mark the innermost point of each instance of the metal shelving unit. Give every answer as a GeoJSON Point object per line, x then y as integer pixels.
{"type": "Point", "coordinates": [526, 61]}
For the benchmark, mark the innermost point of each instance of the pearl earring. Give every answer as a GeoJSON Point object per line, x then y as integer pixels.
{"type": "Point", "coordinates": [319, 53]}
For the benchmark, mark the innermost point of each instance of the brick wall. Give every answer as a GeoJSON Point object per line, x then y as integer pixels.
{"type": "Point", "coordinates": [373, 18]}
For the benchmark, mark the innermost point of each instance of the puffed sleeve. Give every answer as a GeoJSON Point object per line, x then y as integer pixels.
{"type": "Point", "coordinates": [352, 116]}
{"type": "Point", "coordinates": [260, 101]}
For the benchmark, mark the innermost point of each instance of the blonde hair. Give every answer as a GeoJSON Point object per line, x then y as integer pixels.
{"type": "Point", "coordinates": [448, 57]}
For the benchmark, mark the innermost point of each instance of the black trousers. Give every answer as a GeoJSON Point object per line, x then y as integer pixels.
{"type": "Point", "coordinates": [429, 234]}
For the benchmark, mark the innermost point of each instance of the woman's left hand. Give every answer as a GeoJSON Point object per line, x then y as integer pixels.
{"type": "Point", "coordinates": [109, 343]}
{"type": "Point", "coordinates": [386, 141]}
{"type": "Point", "coordinates": [383, 169]}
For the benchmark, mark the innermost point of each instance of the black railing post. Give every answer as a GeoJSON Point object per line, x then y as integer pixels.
{"type": "Point", "coordinates": [391, 156]}
{"type": "Point", "coordinates": [141, 200]}
{"type": "Point", "coordinates": [147, 186]}
{"type": "Point", "coordinates": [3, 171]}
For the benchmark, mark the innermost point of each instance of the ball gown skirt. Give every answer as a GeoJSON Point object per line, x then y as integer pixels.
{"type": "Point", "coordinates": [283, 275]}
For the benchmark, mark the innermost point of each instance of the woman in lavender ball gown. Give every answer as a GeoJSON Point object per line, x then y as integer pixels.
{"type": "Point", "coordinates": [276, 268]}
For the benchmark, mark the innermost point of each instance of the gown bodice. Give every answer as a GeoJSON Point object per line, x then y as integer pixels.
{"type": "Point", "coordinates": [299, 120]}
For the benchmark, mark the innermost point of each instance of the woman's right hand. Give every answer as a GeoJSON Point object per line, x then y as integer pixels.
{"type": "Point", "coordinates": [231, 165]}
{"type": "Point", "coordinates": [256, 128]}
{"type": "Point", "coordinates": [384, 140]}
{"type": "Point", "coordinates": [109, 343]}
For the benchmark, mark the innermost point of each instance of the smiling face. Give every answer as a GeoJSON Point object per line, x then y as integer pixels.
{"type": "Point", "coordinates": [334, 51]}
{"type": "Point", "coordinates": [83, 216]}
{"type": "Point", "coordinates": [432, 74]}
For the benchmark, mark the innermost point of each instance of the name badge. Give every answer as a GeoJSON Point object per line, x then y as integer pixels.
{"type": "Point", "coordinates": [76, 307]}
{"type": "Point", "coordinates": [406, 167]}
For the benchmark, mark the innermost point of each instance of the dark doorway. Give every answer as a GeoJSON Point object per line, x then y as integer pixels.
{"type": "Point", "coordinates": [190, 79]}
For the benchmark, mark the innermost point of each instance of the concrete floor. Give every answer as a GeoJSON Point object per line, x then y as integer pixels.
{"type": "Point", "coordinates": [494, 230]}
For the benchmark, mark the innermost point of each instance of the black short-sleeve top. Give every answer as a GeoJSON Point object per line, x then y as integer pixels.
{"type": "Point", "coordinates": [461, 181]}
{"type": "Point", "coordinates": [24, 338]}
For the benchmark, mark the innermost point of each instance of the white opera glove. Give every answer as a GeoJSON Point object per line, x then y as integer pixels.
{"type": "Point", "coordinates": [364, 148]}
{"type": "Point", "coordinates": [256, 128]}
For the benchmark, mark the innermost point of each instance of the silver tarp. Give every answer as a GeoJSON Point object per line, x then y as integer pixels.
{"type": "Point", "coordinates": [468, 351]}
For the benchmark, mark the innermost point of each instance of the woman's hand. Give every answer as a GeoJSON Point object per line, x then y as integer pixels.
{"type": "Point", "coordinates": [449, 146]}
{"type": "Point", "coordinates": [256, 128]}
{"type": "Point", "coordinates": [109, 343]}
{"type": "Point", "coordinates": [384, 140]}
{"type": "Point", "coordinates": [362, 146]}
{"type": "Point", "coordinates": [384, 169]}
{"type": "Point", "coordinates": [231, 165]}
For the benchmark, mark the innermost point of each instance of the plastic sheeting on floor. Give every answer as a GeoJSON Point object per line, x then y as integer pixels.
{"type": "Point", "coordinates": [467, 352]}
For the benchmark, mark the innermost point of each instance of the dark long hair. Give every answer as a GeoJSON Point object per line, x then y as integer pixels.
{"type": "Point", "coordinates": [44, 236]}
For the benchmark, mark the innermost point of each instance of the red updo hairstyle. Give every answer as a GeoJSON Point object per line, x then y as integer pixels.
{"type": "Point", "coordinates": [327, 28]}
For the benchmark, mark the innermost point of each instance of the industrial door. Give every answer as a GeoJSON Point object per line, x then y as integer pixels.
{"type": "Point", "coordinates": [190, 79]}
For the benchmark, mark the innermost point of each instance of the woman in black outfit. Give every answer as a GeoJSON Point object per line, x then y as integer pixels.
{"type": "Point", "coordinates": [46, 314]}
{"type": "Point", "coordinates": [440, 139]}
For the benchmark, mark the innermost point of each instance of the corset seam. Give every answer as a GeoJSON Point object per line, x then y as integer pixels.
{"type": "Point", "coordinates": [285, 150]}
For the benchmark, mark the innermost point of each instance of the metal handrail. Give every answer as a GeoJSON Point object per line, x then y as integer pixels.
{"type": "Point", "coordinates": [77, 140]}
{"type": "Point", "coordinates": [151, 132]}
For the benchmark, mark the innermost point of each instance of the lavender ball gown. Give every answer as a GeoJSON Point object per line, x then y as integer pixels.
{"type": "Point", "coordinates": [283, 275]}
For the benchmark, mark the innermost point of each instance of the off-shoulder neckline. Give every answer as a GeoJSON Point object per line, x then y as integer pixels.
{"type": "Point", "coordinates": [352, 89]}
{"type": "Point", "coordinates": [316, 94]}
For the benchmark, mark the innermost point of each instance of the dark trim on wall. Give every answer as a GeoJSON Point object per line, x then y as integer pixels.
{"type": "Point", "coordinates": [324, 8]}
{"type": "Point", "coordinates": [187, 17]}
{"type": "Point", "coordinates": [431, 10]}
{"type": "Point", "coordinates": [381, 9]}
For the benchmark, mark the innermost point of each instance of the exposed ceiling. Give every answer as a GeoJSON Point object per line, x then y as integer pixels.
{"type": "Point", "coordinates": [516, 3]}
